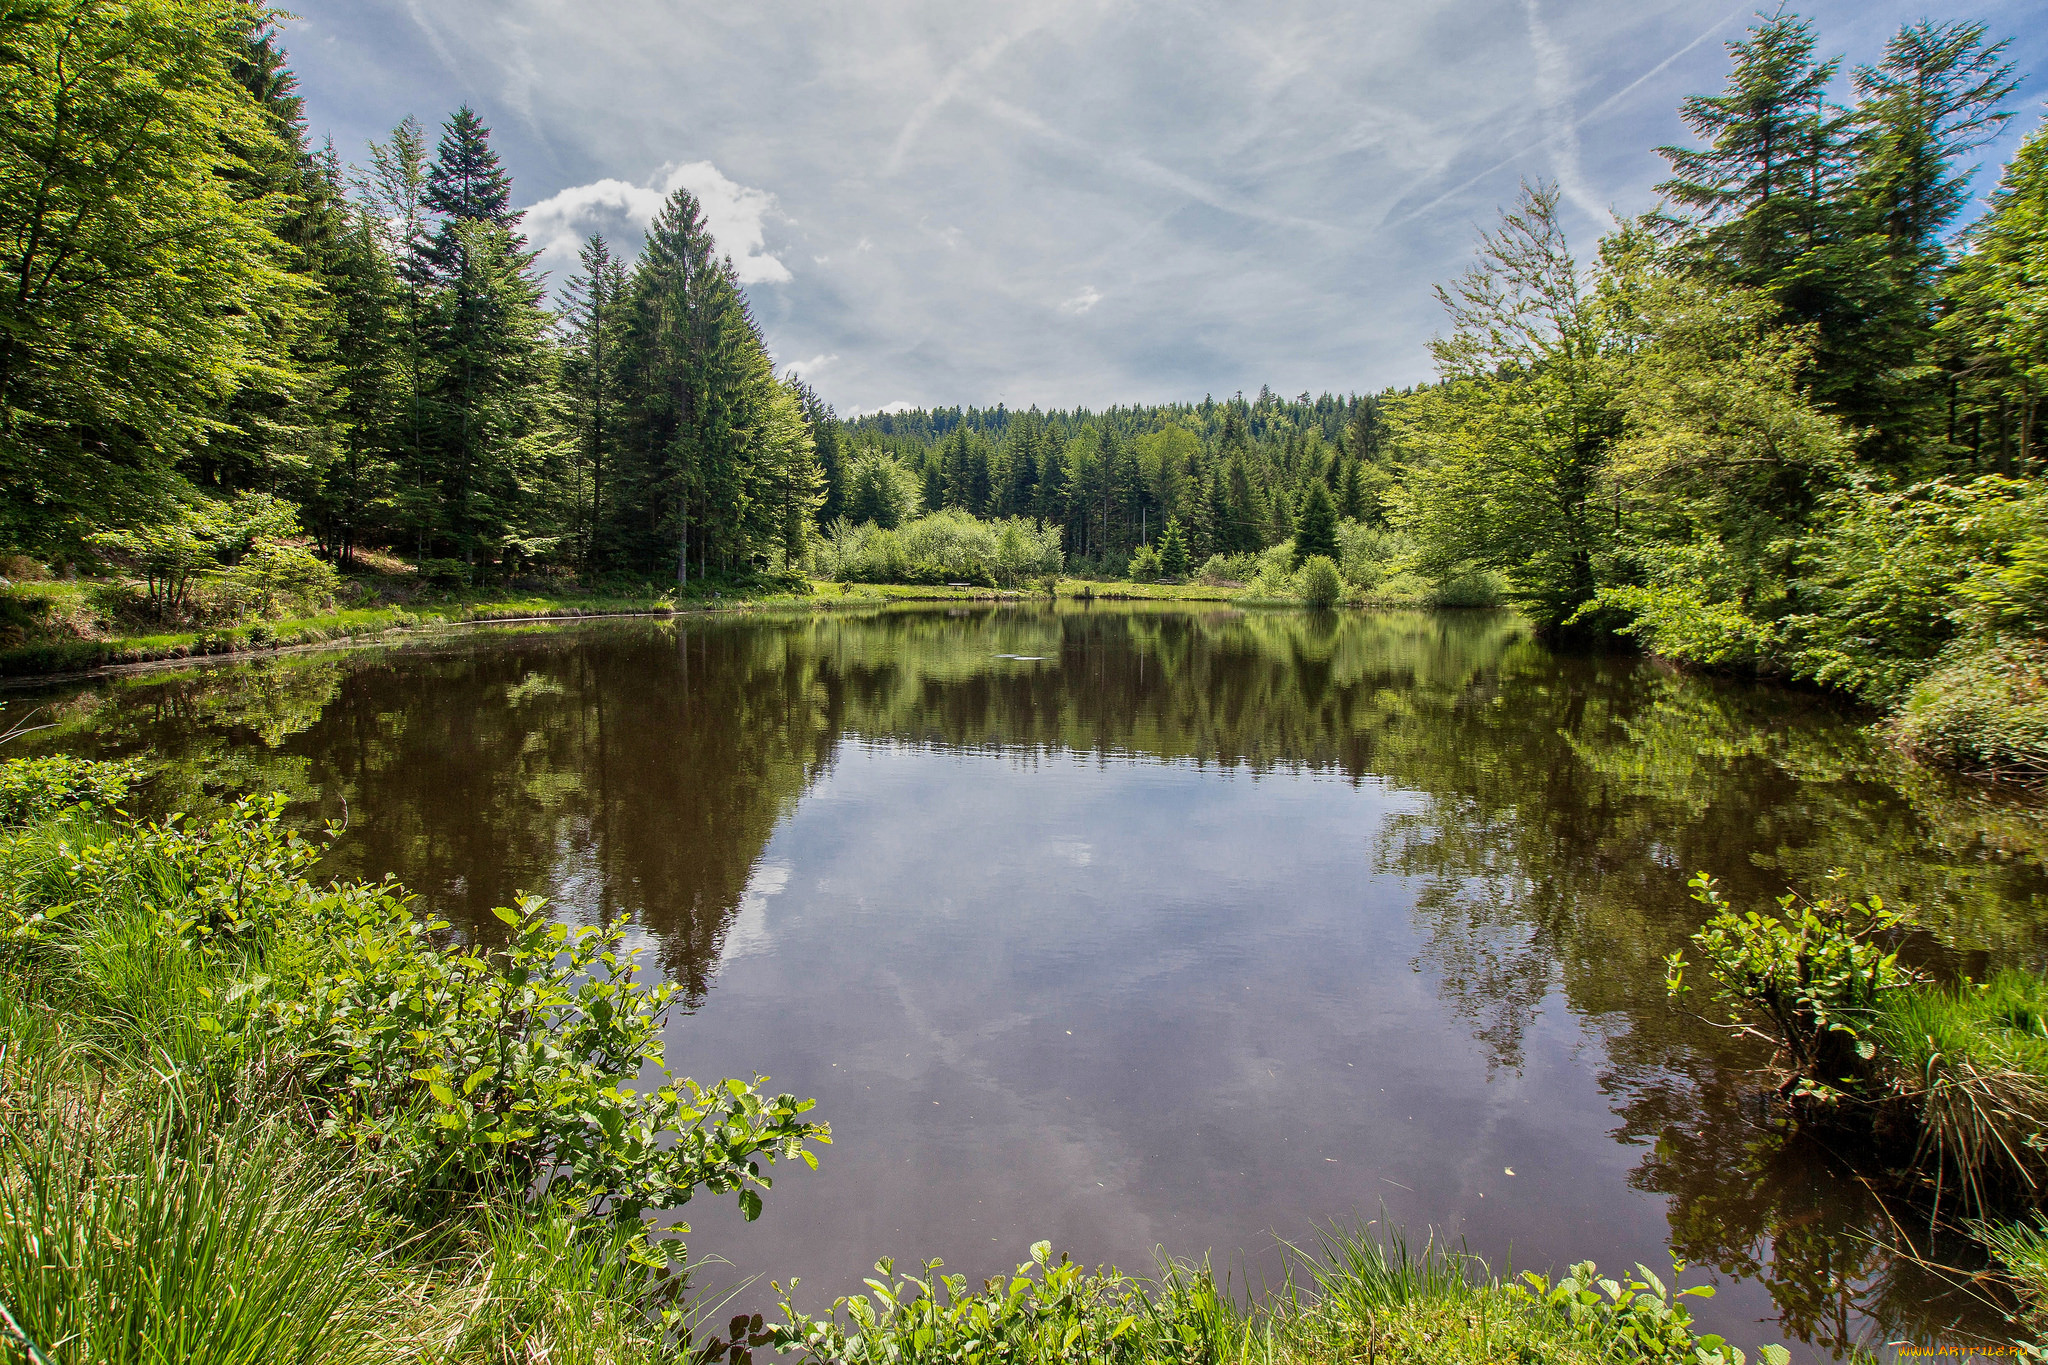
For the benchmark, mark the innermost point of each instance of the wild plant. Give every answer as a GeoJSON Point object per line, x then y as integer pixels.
{"type": "Point", "coordinates": [1805, 980]}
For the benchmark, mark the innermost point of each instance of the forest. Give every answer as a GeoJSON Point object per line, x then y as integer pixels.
{"type": "Point", "coordinates": [1783, 422]}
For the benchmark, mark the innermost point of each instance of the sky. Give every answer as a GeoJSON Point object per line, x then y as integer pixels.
{"type": "Point", "coordinates": [1073, 202]}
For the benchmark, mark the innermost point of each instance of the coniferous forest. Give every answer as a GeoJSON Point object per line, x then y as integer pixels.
{"type": "Point", "coordinates": [1784, 421]}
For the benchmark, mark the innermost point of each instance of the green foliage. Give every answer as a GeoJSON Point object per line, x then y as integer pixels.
{"type": "Point", "coordinates": [1144, 565]}
{"type": "Point", "coordinates": [1173, 552]}
{"type": "Point", "coordinates": [1047, 1311]}
{"type": "Point", "coordinates": [275, 577]}
{"type": "Point", "coordinates": [1315, 526]}
{"type": "Point", "coordinates": [452, 1069]}
{"type": "Point", "coordinates": [191, 549]}
{"type": "Point", "coordinates": [881, 491]}
{"type": "Point", "coordinates": [1509, 448]}
{"type": "Point", "coordinates": [33, 789]}
{"type": "Point", "coordinates": [179, 1240]}
{"type": "Point", "coordinates": [1983, 709]}
{"type": "Point", "coordinates": [1968, 1064]}
{"type": "Point", "coordinates": [1814, 974]}
{"type": "Point", "coordinates": [945, 547]}
{"type": "Point", "coordinates": [1321, 584]}
{"type": "Point", "coordinates": [133, 267]}
{"type": "Point", "coordinates": [461, 1069]}
{"type": "Point", "coordinates": [1636, 1318]}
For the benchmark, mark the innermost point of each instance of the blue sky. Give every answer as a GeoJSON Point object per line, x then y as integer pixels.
{"type": "Point", "coordinates": [1070, 202]}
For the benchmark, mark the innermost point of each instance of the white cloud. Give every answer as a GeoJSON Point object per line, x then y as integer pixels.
{"type": "Point", "coordinates": [737, 215]}
{"type": "Point", "coordinates": [900, 405]}
{"type": "Point", "coordinates": [810, 367]}
{"type": "Point", "coordinates": [1083, 301]}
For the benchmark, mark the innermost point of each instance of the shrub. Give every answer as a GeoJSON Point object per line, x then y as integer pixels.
{"type": "Point", "coordinates": [1984, 708]}
{"type": "Point", "coordinates": [33, 789]}
{"type": "Point", "coordinates": [1478, 588]}
{"type": "Point", "coordinates": [1321, 584]}
{"type": "Point", "coordinates": [463, 1070]}
{"type": "Point", "coordinates": [444, 573]}
{"type": "Point", "coordinates": [274, 575]}
{"type": "Point", "coordinates": [455, 1070]}
{"type": "Point", "coordinates": [1808, 980]}
{"type": "Point", "coordinates": [1144, 567]}
{"type": "Point", "coordinates": [949, 546]}
{"type": "Point", "coordinates": [1228, 570]}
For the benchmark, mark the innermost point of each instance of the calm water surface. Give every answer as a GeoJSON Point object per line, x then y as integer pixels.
{"type": "Point", "coordinates": [1137, 929]}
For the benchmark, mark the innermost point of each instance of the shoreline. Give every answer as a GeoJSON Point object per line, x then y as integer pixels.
{"type": "Point", "coordinates": [73, 661]}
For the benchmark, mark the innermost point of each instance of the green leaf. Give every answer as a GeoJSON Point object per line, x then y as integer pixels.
{"type": "Point", "coordinates": [750, 1205]}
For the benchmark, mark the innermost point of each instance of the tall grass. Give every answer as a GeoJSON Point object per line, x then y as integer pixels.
{"type": "Point", "coordinates": [174, 1238]}
{"type": "Point", "coordinates": [1971, 1061]}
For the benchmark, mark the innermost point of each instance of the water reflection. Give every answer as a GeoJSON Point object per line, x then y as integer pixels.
{"type": "Point", "coordinates": [1345, 908]}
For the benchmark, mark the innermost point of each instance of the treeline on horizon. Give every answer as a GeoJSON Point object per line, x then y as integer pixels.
{"type": "Point", "coordinates": [1785, 421]}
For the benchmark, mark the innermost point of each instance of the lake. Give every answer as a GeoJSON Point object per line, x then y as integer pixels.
{"type": "Point", "coordinates": [1141, 928]}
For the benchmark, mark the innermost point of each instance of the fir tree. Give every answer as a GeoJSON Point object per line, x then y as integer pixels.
{"type": "Point", "coordinates": [1173, 551]}
{"type": "Point", "coordinates": [1315, 528]}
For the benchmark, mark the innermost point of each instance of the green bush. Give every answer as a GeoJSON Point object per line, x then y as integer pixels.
{"type": "Point", "coordinates": [1321, 584]}
{"type": "Point", "coordinates": [275, 576]}
{"type": "Point", "coordinates": [34, 789]}
{"type": "Point", "coordinates": [1984, 709]}
{"type": "Point", "coordinates": [949, 546]}
{"type": "Point", "coordinates": [1144, 566]}
{"type": "Point", "coordinates": [1808, 980]}
{"type": "Point", "coordinates": [463, 1069]}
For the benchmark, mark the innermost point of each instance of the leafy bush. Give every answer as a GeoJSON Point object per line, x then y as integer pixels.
{"type": "Point", "coordinates": [444, 573]}
{"type": "Point", "coordinates": [36, 788]}
{"type": "Point", "coordinates": [191, 546]}
{"type": "Point", "coordinates": [462, 1069]}
{"type": "Point", "coordinates": [1228, 570]}
{"type": "Point", "coordinates": [1808, 980]}
{"type": "Point", "coordinates": [1478, 588]}
{"type": "Point", "coordinates": [274, 575]}
{"type": "Point", "coordinates": [1144, 567]}
{"type": "Point", "coordinates": [1049, 1310]}
{"type": "Point", "coordinates": [453, 1069]}
{"type": "Point", "coordinates": [1320, 583]}
{"type": "Point", "coordinates": [1984, 709]}
{"type": "Point", "coordinates": [1635, 1319]}
{"type": "Point", "coordinates": [949, 546]}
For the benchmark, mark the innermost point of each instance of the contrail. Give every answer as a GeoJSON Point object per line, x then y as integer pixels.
{"type": "Point", "coordinates": [1594, 112]}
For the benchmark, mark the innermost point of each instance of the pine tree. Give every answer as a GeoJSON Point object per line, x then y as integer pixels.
{"type": "Point", "coordinates": [1173, 551]}
{"type": "Point", "coordinates": [590, 315]}
{"type": "Point", "coordinates": [466, 184]}
{"type": "Point", "coordinates": [1774, 149]}
{"type": "Point", "coordinates": [1315, 528]}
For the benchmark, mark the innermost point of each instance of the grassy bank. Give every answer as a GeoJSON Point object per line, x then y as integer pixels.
{"type": "Point", "coordinates": [1941, 1085]}
{"type": "Point", "coordinates": [61, 631]}
{"type": "Point", "coordinates": [252, 1117]}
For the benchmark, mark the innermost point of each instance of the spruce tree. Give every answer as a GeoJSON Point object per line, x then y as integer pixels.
{"type": "Point", "coordinates": [592, 300]}
{"type": "Point", "coordinates": [1315, 527]}
{"type": "Point", "coordinates": [1173, 551]}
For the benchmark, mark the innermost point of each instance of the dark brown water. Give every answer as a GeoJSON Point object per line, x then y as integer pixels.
{"type": "Point", "coordinates": [1137, 929]}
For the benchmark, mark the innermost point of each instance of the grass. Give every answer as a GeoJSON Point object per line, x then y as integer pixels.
{"type": "Point", "coordinates": [1970, 1064]}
